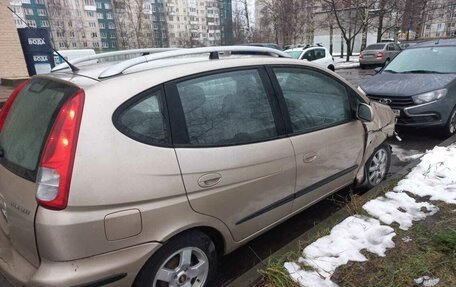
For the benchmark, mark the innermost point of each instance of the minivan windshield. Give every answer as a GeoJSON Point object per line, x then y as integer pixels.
{"type": "Point", "coordinates": [426, 60]}
{"type": "Point", "coordinates": [294, 54]}
{"type": "Point", "coordinates": [28, 122]}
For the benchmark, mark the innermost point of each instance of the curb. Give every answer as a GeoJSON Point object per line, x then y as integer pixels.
{"type": "Point", "coordinates": [252, 276]}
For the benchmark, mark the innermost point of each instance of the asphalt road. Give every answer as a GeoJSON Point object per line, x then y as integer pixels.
{"type": "Point", "coordinates": [238, 262]}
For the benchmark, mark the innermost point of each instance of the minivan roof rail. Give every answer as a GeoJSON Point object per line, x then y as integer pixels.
{"type": "Point", "coordinates": [213, 52]}
{"type": "Point", "coordinates": [144, 51]}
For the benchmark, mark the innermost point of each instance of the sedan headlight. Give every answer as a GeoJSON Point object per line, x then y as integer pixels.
{"type": "Point", "coordinates": [429, 96]}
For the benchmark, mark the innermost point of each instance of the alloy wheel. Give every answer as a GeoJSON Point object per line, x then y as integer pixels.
{"type": "Point", "coordinates": [188, 267]}
{"type": "Point", "coordinates": [377, 167]}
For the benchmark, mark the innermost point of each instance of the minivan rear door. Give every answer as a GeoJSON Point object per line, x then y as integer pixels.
{"type": "Point", "coordinates": [235, 165]}
{"type": "Point", "coordinates": [22, 138]}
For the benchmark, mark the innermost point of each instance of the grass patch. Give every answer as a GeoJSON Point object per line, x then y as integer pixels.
{"type": "Point", "coordinates": [275, 275]}
{"type": "Point", "coordinates": [431, 252]}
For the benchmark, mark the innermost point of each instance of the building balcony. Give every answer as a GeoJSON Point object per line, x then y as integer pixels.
{"type": "Point", "coordinates": [90, 7]}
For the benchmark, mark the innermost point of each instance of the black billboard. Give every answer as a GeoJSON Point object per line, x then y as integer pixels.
{"type": "Point", "coordinates": [38, 53]}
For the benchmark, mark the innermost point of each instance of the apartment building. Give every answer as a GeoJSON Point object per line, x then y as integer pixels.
{"type": "Point", "coordinates": [125, 24]}
{"type": "Point", "coordinates": [439, 19]}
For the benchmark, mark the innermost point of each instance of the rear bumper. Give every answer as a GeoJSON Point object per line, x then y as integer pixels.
{"type": "Point", "coordinates": [372, 61]}
{"type": "Point", "coordinates": [117, 268]}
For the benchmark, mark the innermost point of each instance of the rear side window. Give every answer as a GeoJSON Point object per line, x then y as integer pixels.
{"type": "Point", "coordinates": [227, 108]}
{"type": "Point", "coordinates": [320, 54]}
{"type": "Point", "coordinates": [143, 119]}
{"type": "Point", "coordinates": [375, 47]}
{"type": "Point", "coordinates": [30, 118]}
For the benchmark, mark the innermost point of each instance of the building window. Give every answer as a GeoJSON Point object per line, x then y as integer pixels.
{"type": "Point", "coordinates": [28, 11]}
{"type": "Point", "coordinates": [102, 25]}
{"type": "Point", "coordinates": [107, 6]}
{"type": "Point", "coordinates": [111, 25]}
{"type": "Point", "coordinates": [96, 45]}
{"type": "Point", "coordinates": [99, 5]}
{"type": "Point", "coordinates": [41, 2]}
{"type": "Point", "coordinates": [92, 25]}
{"type": "Point", "coordinates": [90, 13]}
{"type": "Point", "coordinates": [84, 44]}
{"type": "Point", "coordinates": [62, 45]}
{"type": "Point", "coordinates": [94, 35]}
{"type": "Point", "coordinates": [114, 45]}
{"type": "Point", "coordinates": [100, 15]}
{"type": "Point", "coordinates": [105, 44]}
{"type": "Point", "coordinates": [89, 2]}
{"type": "Point", "coordinates": [103, 35]}
{"type": "Point", "coordinates": [42, 12]}
{"type": "Point", "coordinates": [73, 44]}
{"type": "Point", "coordinates": [31, 23]}
{"type": "Point", "coordinates": [44, 23]}
{"type": "Point", "coordinates": [109, 15]}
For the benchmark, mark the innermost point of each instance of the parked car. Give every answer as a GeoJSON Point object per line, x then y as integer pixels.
{"type": "Point", "coordinates": [420, 86]}
{"type": "Point", "coordinates": [144, 172]}
{"type": "Point", "coordinates": [378, 54]}
{"type": "Point", "coordinates": [316, 54]}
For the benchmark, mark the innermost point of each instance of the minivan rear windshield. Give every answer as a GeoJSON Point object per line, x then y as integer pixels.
{"type": "Point", "coordinates": [28, 122]}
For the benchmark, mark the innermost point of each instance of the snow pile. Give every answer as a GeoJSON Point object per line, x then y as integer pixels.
{"type": "Point", "coordinates": [427, 281]}
{"type": "Point", "coordinates": [435, 176]}
{"type": "Point", "coordinates": [405, 155]}
{"type": "Point", "coordinates": [344, 244]}
{"type": "Point", "coordinates": [399, 208]}
{"type": "Point", "coordinates": [307, 278]}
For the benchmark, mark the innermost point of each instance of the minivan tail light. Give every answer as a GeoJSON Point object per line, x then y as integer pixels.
{"type": "Point", "coordinates": [7, 106]}
{"type": "Point", "coordinates": [56, 164]}
{"type": "Point", "coordinates": [379, 55]}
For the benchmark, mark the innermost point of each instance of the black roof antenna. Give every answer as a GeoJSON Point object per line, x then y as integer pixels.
{"type": "Point", "coordinates": [73, 68]}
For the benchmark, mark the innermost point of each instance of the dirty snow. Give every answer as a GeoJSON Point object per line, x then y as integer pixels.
{"type": "Point", "coordinates": [399, 208]}
{"type": "Point", "coordinates": [341, 63]}
{"type": "Point", "coordinates": [307, 278]}
{"type": "Point", "coordinates": [427, 281]}
{"type": "Point", "coordinates": [344, 244]}
{"type": "Point", "coordinates": [434, 176]}
{"type": "Point", "coordinates": [405, 155]}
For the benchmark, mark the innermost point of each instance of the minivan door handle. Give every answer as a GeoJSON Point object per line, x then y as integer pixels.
{"type": "Point", "coordinates": [309, 157]}
{"type": "Point", "coordinates": [209, 180]}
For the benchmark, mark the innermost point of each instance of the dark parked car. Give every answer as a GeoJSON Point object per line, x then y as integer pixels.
{"type": "Point", "coordinates": [420, 86]}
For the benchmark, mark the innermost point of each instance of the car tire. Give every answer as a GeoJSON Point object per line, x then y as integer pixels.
{"type": "Point", "coordinates": [187, 258]}
{"type": "Point", "coordinates": [377, 166]}
{"type": "Point", "coordinates": [450, 128]}
{"type": "Point", "coordinates": [331, 67]}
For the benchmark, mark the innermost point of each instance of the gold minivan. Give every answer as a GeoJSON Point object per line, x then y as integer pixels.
{"type": "Point", "coordinates": [143, 172]}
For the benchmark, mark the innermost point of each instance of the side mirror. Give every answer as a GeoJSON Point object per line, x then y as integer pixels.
{"type": "Point", "coordinates": [365, 113]}
{"type": "Point", "coordinates": [378, 70]}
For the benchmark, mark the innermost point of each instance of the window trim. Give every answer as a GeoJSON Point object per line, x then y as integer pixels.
{"type": "Point", "coordinates": [135, 100]}
{"type": "Point", "coordinates": [177, 118]}
{"type": "Point", "coordinates": [284, 107]}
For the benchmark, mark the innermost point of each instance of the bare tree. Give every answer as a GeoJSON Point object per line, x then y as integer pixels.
{"type": "Point", "coordinates": [289, 21]}
{"type": "Point", "coordinates": [135, 23]}
{"type": "Point", "coordinates": [66, 24]}
{"type": "Point", "coordinates": [352, 17]}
